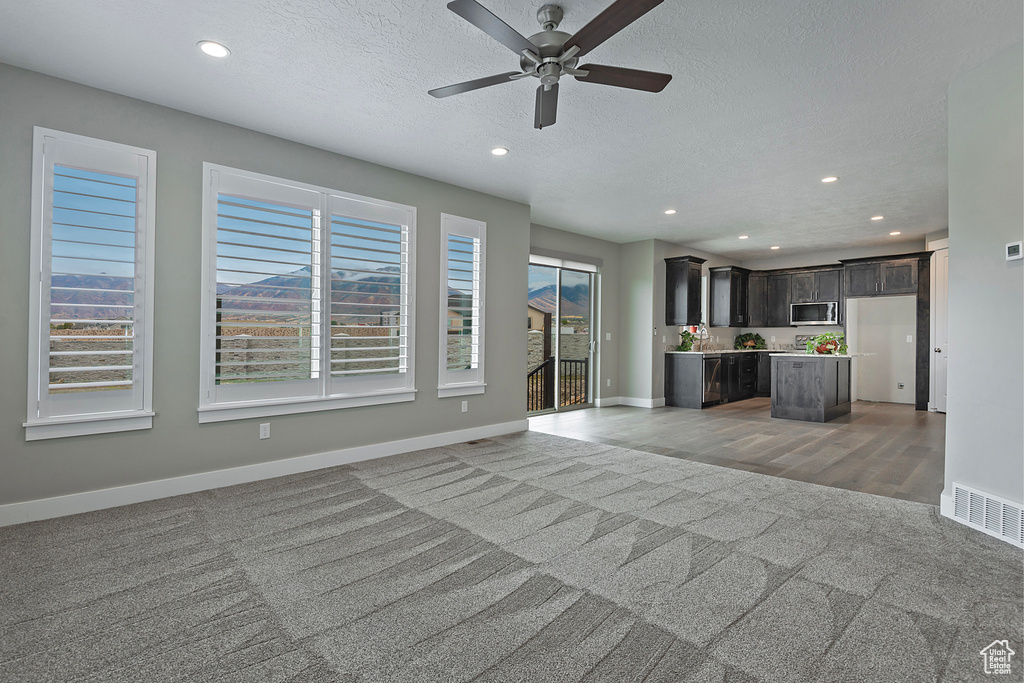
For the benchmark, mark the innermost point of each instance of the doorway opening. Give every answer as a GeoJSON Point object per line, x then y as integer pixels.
{"type": "Point", "coordinates": [560, 338]}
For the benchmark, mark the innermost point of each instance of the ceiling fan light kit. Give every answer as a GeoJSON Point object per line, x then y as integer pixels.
{"type": "Point", "coordinates": [551, 54]}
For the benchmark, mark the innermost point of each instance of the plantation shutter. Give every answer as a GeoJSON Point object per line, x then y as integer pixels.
{"type": "Point", "coordinates": [462, 306]}
{"type": "Point", "coordinates": [91, 350]}
{"type": "Point", "coordinates": [370, 296]}
{"type": "Point", "coordinates": [267, 325]}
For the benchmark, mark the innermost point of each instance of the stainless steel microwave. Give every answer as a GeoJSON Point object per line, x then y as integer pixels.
{"type": "Point", "coordinates": [819, 313]}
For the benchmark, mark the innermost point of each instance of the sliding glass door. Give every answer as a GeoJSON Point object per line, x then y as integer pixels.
{"type": "Point", "coordinates": [560, 338]}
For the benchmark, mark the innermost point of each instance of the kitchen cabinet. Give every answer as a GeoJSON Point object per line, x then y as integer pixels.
{"type": "Point", "coordinates": [810, 388]}
{"type": "Point", "coordinates": [739, 375]}
{"type": "Point", "coordinates": [899, 277]}
{"type": "Point", "coordinates": [757, 300]}
{"type": "Point", "coordinates": [728, 295]}
{"type": "Point", "coordinates": [684, 380]}
{"type": "Point", "coordinates": [682, 290]}
{"type": "Point", "coordinates": [882, 278]}
{"type": "Point", "coordinates": [863, 279]}
{"type": "Point", "coordinates": [817, 285]}
{"type": "Point", "coordinates": [779, 293]}
{"type": "Point", "coordinates": [763, 386]}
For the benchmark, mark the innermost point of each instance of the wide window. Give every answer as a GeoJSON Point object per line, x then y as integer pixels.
{"type": "Point", "coordinates": [90, 366]}
{"type": "Point", "coordinates": [308, 298]}
{"type": "Point", "coordinates": [461, 369]}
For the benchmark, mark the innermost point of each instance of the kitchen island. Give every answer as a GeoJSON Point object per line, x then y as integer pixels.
{"type": "Point", "coordinates": [810, 387]}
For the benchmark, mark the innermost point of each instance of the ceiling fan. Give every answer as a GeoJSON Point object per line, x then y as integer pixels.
{"type": "Point", "coordinates": [550, 54]}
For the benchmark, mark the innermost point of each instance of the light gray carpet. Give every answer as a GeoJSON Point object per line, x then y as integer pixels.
{"type": "Point", "coordinates": [522, 558]}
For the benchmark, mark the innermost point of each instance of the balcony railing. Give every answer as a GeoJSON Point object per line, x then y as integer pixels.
{"type": "Point", "coordinates": [540, 384]}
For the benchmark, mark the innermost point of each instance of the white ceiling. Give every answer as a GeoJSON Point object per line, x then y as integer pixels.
{"type": "Point", "coordinates": [768, 97]}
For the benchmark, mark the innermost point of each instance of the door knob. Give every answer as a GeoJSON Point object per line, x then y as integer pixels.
{"type": "Point", "coordinates": [938, 350]}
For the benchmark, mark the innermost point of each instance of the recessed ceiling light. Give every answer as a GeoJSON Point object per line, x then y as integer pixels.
{"type": "Point", "coordinates": [499, 151]}
{"type": "Point", "coordinates": [830, 179]}
{"type": "Point", "coordinates": [743, 237]}
{"type": "Point", "coordinates": [669, 212]}
{"type": "Point", "coordinates": [213, 49]}
{"type": "Point", "coordinates": [776, 247]}
{"type": "Point", "coordinates": [877, 218]}
{"type": "Point", "coordinates": [896, 232]}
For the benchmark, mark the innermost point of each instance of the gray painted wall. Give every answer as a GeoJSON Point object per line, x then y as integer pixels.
{"type": "Point", "coordinates": [177, 445]}
{"type": "Point", "coordinates": [607, 298]}
{"type": "Point", "coordinates": [636, 319]}
{"type": "Point", "coordinates": [880, 327]}
{"type": "Point", "coordinates": [984, 430]}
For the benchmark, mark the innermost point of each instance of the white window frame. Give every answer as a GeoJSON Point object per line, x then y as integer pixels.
{"type": "Point", "coordinates": [471, 380]}
{"type": "Point", "coordinates": [219, 403]}
{"type": "Point", "coordinates": [65, 415]}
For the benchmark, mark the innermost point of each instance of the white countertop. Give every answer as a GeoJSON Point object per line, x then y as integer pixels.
{"type": "Point", "coordinates": [709, 351]}
{"type": "Point", "coordinates": [776, 352]}
{"type": "Point", "coordinates": [823, 355]}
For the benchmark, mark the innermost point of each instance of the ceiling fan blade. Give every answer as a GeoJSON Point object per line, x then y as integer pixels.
{"type": "Point", "coordinates": [547, 107]}
{"type": "Point", "coordinates": [651, 81]}
{"type": "Point", "coordinates": [459, 88]}
{"type": "Point", "coordinates": [481, 17]}
{"type": "Point", "coordinates": [613, 19]}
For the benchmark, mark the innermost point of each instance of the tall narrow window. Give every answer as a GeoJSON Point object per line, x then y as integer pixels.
{"type": "Point", "coordinates": [90, 369]}
{"type": "Point", "coordinates": [461, 369]}
{"type": "Point", "coordinates": [307, 304]}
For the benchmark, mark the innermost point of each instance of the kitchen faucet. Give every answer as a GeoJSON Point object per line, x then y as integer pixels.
{"type": "Point", "coordinates": [702, 334]}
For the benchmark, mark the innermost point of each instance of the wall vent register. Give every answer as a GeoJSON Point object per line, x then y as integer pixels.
{"type": "Point", "coordinates": [987, 513]}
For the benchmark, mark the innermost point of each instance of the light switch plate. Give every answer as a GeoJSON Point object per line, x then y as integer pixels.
{"type": "Point", "coordinates": [607, 336]}
{"type": "Point", "coordinates": [910, 339]}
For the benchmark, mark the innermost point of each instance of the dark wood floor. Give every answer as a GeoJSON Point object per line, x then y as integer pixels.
{"type": "Point", "coordinates": [881, 448]}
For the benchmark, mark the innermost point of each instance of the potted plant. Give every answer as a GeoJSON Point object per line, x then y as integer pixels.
{"type": "Point", "coordinates": [686, 339]}
{"type": "Point", "coordinates": [827, 343]}
{"type": "Point", "coordinates": [750, 340]}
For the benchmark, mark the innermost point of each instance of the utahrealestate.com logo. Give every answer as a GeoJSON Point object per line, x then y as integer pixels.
{"type": "Point", "coordinates": [997, 657]}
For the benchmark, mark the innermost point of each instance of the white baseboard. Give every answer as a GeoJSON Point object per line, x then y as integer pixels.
{"type": "Point", "coordinates": [605, 402]}
{"type": "Point", "coordinates": [641, 402]}
{"type": "Point", "coordinates": [88, 501]}
{"type": "Point", "coordinates": [946, 506]}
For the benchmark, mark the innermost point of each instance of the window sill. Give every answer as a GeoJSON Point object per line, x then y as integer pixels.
{"type": "Point", "coordinates": [82, 425]}
{"type": "Point", "coordinates": [242, 410]}
{"type": "Point", "coordinates": [460, 390]}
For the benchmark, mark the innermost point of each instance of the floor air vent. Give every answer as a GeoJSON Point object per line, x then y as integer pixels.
{"type": "Point", "coordinates": [987, 513]}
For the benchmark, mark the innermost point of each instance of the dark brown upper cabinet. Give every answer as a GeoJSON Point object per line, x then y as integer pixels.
{"type": "Point", "coordinates": [779, 295]}
{"type": "Point", "coordinates": [728, 294]}
{"type": "Point", "coordinates": [899, 277]}
{"type": "Point", "coordinates": [862, 279]}
{"type": "Point", "coordinates": [818, 285]}
{"type": "Point", "coordinates": [882, 276]}
{"type": "Point", "coordinates": [682, 290]}
{"type": "Point", "coordinates": [757, 300]}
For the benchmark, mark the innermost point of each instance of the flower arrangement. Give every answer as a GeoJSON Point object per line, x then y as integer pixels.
{"type": "Point", "coordinates": [827, 343]}
{"type": "Point", "coordinates": [750, 340]}
{"type": "Point", "coordinates": [686, 339]}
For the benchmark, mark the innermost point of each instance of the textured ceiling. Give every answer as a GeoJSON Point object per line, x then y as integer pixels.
{"type": "Point", "coordinates": [768, 97]}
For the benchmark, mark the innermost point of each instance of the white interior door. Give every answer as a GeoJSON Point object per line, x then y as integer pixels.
{"type": "Point", "coordinates": [940, 327]}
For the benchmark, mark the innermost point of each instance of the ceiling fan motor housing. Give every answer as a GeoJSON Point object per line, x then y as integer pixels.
{"type": "Point", "coordinates": [549, 47]}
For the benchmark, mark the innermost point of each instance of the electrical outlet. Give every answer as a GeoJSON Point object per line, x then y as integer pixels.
{"type": "Point", "coordinates": [899, 385]}
{"type": "Point", "coordinates": [607, 336]}
{"type": "Point", "coordinates": [265, 430]}
{"type": "Point", "coordinates": [465, 406]}
{"type": "Point", "coordinates": [772, 339]}
{"type": "Point", "coordinates": [609, 383]}
{"type": "Point", "coordinates": [663, 339]}
{"type": "Point", "coordinates": [910, 339]}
